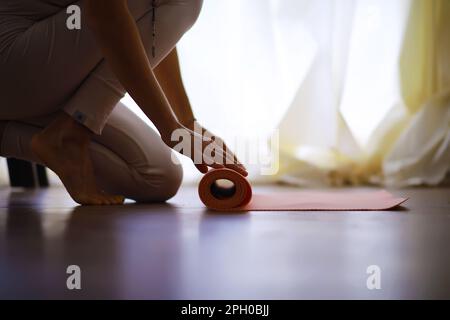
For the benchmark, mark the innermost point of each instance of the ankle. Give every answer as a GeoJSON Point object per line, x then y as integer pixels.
{"type": "Point", "coordinates": [67, 130]}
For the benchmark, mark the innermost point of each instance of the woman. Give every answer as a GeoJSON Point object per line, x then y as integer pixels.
{"type": "Point", "coordinates": [60, 92]}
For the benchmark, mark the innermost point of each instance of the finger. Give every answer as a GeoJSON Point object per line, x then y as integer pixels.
{"type": "Point", "coordinates": [203, 168]}
{"type": "Point", "coordinates": [230, 164]}
{"type": "Point", "coordinates": [233, 167]}
{"type": "Point", "coordinates": [232, 156]}
{"type": "Point", "coordinates": [220, 158]}
{"type": "Point", "coordinates": [243, 168]}
{"type": "Point", "coordinates": [237, 162]}
{"type": "Point", "coordinates": [238, 169]}
{"type": "Point", "coordinates": [217, 166]}
{"type": "Point", "coordinates": [229, 156]}
{"type": "Point", "coordinates": [236, 165]}
{"type": "Point", "coordinates": [222, 155]}
{"type": "Point", "coordinates": [219, 149]}
{"type": "Point", "coordinates": [226, 155]}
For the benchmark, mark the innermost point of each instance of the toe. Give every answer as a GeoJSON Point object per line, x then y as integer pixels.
{"type": "Point", "coordinates": [119, 199]}
{"type": "Point", "coordinates": [113, 199]}
{"type": "Point", "coordinates": [107, 201]}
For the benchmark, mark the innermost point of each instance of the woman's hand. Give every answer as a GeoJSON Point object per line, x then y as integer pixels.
{"type": "Point", "coordinates": [204, 148]}
{"type": "Point", "coordinates": [230, 155]}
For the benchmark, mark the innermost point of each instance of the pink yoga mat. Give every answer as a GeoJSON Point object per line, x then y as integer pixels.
{"type": "Point", "coordinates": [239, 197]}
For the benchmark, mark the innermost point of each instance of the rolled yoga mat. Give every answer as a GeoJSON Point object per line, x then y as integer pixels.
{"type": "Point", "coordinates": [238, 196]}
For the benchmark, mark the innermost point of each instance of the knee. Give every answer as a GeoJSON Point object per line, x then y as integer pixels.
{"type": "Point", "coordinates": [172, 175]}
{"type": "Point", "coordinates": [189, 11]}
{"type": "Point", "coordinates": [162, 183]}
{"type": "Point", "coordinates": [195, 7]}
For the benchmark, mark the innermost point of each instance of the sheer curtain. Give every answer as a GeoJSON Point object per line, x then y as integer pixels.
{"type": "Point", "coordinates": [375, 105]}
{"type": "Point", "coordinates": [358, 89]}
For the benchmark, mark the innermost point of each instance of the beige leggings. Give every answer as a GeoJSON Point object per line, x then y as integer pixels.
{"type": "Point", "coordinates": [46, 68]}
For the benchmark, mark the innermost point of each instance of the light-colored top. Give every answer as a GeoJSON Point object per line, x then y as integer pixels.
{"type": "Point", "coordinates": [16, 16]}
{"type": "Point", "coordinates": [32, 9]}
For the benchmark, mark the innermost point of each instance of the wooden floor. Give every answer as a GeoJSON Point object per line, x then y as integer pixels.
{"type": "Point", "coordinates": [181, 251]}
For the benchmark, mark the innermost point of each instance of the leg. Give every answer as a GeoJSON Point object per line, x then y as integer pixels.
{"type": "Point", "coordinates": [151, 172]}
{"type": "Point", "coordinates": [129, 158]}
{"type": "Point", "coordinates": [63, 145]}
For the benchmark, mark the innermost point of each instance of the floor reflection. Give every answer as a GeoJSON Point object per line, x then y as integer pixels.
{"type": "Point", "coordinates": [181, 251]}
{"type": "Point", "coordinates": [130, 251]}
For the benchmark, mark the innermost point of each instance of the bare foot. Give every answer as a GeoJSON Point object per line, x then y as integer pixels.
{"type": "Point", "coordinates": [64, 147]}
